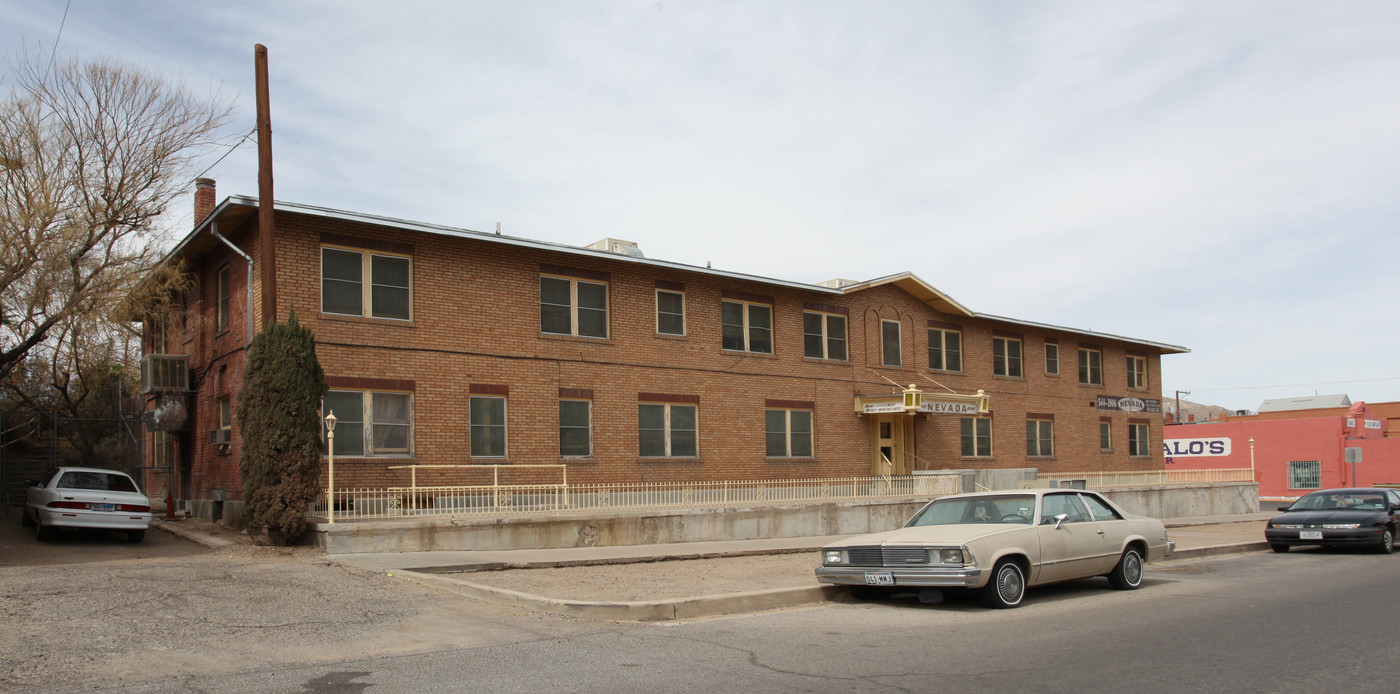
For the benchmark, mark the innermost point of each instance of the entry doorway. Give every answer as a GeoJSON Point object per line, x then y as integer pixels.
{"type": "Point", "coordinates": [892, 440]}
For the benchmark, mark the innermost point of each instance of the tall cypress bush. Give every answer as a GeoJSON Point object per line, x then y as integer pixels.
{"type": "Point", "coordinates": [279, 415]}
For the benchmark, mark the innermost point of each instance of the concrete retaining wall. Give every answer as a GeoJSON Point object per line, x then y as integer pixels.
{"type": "Point", "coordinates": [636, 528]}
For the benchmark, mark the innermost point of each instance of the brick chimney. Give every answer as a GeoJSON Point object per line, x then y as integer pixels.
{"type": "Point", "coordinates": [204, 198]}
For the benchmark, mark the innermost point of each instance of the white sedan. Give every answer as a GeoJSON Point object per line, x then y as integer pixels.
{"type": "Point", "coordinates": [1000, 543]}
{"type": "Point", "coordinates": [80, 497]}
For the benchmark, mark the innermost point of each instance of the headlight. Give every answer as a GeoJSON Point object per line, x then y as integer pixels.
{"type": "Point", "coordinates": [1287, 526]}
{"type": "Point", "coordinates": [950, 556]}
{"type": "Point", "coordinates": [833, 556]}
{"type": "Point", "coordinates": [1340, 526]}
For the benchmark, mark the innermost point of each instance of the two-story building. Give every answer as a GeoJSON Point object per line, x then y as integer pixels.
{"type": "Point", "coordinates": [449, 346]}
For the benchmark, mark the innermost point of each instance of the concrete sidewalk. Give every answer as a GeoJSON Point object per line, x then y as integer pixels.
{"type": "Point", "coordinates": [448, 570]}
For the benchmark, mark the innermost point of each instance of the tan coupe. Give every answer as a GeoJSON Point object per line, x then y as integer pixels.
{"type": "Point", "coordinates": [1000, 543]}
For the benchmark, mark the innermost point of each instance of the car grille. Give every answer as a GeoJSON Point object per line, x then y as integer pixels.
{"type": "Point", "coordinates": [887, 556]}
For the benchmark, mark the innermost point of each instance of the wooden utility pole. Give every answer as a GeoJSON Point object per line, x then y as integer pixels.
{"type": "Point", "coordinates": [265, 235]}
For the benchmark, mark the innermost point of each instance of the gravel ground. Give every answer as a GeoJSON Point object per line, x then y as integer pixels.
{"type": "Point", "coordinates": [657, 580]}
{"type": "Point", "coordinates": [168, 612]}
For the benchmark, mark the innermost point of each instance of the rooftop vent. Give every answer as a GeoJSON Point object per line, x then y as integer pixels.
{"type": "Point", "coordinates": [617, 246]}
{"type": "Point", "coordinates": [837, 283]}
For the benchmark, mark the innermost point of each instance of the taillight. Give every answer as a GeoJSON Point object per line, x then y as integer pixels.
{"type": "Point", "coordinates": [68, 504]}
{"type": "Point", "coordinates": [133, 508]}
{"type": "Point", "coordinates": [84, 505]}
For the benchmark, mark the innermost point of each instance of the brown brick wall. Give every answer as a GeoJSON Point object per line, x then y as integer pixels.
{"type": "Point", "coordinates": [476, 321]}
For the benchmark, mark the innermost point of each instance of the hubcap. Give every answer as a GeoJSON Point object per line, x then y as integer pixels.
{"type": "Point", "coordinates": [1132, 568]}
{"type": "Point", "coordinates": [1009, 585]}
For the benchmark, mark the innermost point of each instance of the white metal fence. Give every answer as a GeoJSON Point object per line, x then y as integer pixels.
{"type": "Point", "coordinates": [495, 499]}
{"type": "Point", "coordinates": [489, 500]}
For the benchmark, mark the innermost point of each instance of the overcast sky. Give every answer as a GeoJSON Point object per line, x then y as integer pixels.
{"type": "Point", "coordinates": [1219, 175]}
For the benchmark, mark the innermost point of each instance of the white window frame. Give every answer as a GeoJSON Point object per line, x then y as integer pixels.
{"type": "Point", "coordinates": [669, 429]}
{"type": "Point", "coordinates": [366, 422]}
{"type": "Point", "coordinates": [1105, 437]}
{"type": "Point", "coordinates": [977, 436]}
{"type": "Point", "coordinates": [1090, 366]}
{"type": "Point", "coordinates": [1139, 438]}
{"type": "Point", "coordinates": [747, 327]}
{"type": "Point", "coordinates": [1002, 364]}
{"type": "Point", "coordinates": [898, 344]}
{"type": "Point", "coordinates": [588, 428]}
{"type": "Point", "coordinates": [1044, 446]}
{"type": "Point", "coordinates": [940, 345]}
{"type": "Point", "coordinates": [366, 282]}
{"type": "Point", "coordinates": [1137, 372]}
{"type": "Point", "coordinates": [575, 308]}
{"type": "Point", "coordinates": [660, 313]}
{"type": "Point", "coordinates": [788, 432]}
{"type": "Point", "coordinates": [827, 339]}
{"type": "Point", "coordinates": [503, 426]}
{"type": "Point", "coordinates": [1305, 474]}
{"type": "Point", "coordinates": [1052, 359]}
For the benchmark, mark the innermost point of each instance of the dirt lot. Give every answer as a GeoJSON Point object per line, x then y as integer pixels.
{"type": "Point", "coordinates": [90, 608]}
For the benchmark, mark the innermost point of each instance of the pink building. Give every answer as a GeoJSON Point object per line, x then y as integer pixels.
{"type": "Point", "coordinates": [1292, 455]}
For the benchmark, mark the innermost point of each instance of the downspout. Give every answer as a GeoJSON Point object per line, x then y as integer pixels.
{"type": "Point", "coordinates": [214, 229]}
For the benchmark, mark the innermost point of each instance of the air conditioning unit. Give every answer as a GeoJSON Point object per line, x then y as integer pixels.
{"type": "Point", "coordinates": [165, 373]}
{"type": "Point", "coordinates": [220, 437]}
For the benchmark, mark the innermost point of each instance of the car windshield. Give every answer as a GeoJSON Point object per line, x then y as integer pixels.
{"type": "Point", "coordinates": [1335, 501]}
{"type": "Point", "coordinates": [103, 481]}
{"type": "Point", "coordinates": [1009, 508]}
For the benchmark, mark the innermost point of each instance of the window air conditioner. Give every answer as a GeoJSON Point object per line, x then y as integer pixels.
{"type": "Point", "coordinates": [163, 373]}
{"type": "Point", "coordinates": [220, 437]}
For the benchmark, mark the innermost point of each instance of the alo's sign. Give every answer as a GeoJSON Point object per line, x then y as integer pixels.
{"type": "Point", "coordinates": [1196, 448]}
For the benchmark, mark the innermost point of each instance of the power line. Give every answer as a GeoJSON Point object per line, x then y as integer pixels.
{"type": "Point", "coordinates": [230, 151]}
{"type": "Point", "coordinates": [61, 24]}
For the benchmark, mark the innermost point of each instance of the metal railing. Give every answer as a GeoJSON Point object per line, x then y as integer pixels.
{"type": "Point", "coordinates": [494, 500]}
{"type": "Point", "coordinates": [1134, 478]}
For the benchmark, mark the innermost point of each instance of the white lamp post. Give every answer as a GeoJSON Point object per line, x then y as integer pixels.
{"type": "Point", "coordinates": [1251, 459]}
{"type": "Point", "coordinates": [330, 466]}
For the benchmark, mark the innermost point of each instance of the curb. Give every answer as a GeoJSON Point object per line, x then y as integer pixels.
{"type": "Point", "coordinates": [699, 606]}
{"type": "Point", "coordinates": [196, 537]}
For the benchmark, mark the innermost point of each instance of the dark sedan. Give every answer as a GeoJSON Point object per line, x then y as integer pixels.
{"type": "Point", "coordinates": [1365, 517]}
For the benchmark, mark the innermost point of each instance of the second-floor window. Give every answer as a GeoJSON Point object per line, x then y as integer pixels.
{"type": "Point", "coordinates": [824, 336]}
{"type": "Point", "coordinates": [1137, 372]}
{"type": "Point", "coordinates": [1006, 357]}
{"type": "Point", "coordinates": [944, 350]}
{"type": "Point", "coordinates": [222, 319]}
{"type": "Point", "coordinates": [747, 327]}
{"type": "Point", "coordinates": [573, 307]}
{"type": "Point", "coordinates": [670, 312]}
{"type": "Point", "coordinates": [890, 343]}
{"type": "Point", "coordinates": [1091, 367]}
{"type": "Point", "coordinates": [1052, 359]}
{"type": "Point", "coordinates": [354, 280]}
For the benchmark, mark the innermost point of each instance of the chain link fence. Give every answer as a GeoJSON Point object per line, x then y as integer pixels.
{"type": "Point", "coordinates": [32, 443]}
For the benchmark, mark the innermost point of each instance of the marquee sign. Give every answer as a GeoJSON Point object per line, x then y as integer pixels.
{"type": "Point", "coordinates": [1108, 403]}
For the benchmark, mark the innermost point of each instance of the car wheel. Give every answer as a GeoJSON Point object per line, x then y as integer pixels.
{"type": "Point", "coordinates": [1387, 542]}
{"type": "Point", "coordinates": [1127, 575]}
{"type": "Point", "coordinates": [1007, 586]}
{"type": "Point", "coordinates": [42, 533]}
{"type": "Point", "coordinates": [24, 520]}
{"type": "Point", "coordinates": [1281, 549]}
{"type": "Point", "coordinates": [135, 535]}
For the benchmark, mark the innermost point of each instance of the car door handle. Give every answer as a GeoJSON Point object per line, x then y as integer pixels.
{"type": "Point", "coordinates": [1099, 532]}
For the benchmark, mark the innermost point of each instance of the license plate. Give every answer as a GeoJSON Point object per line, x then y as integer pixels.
{"type": "Point", "coordinates": [1309, 534]}
{"type": "Point", "coordinates": [103, 507]}
{"type": "Point", "coordinates": [879, 578]}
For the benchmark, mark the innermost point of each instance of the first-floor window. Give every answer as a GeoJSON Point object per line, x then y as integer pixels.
{"type": "Point", "coordinates": [1105, 435]}
{"type": "Point", "coordinates": [666, 431]}
{"type": "Point", "coordinates": [976, 437]}
{"type": "Point", "coordinates": [1040, 437]}
{"type": "Point", "coordinates": [488, 426]}
{"type": "Point", "coordinates": [1137, 439]}
{"type": "Point", "coordinates": [575, 428]}
{"type": "Point", "coordinates": [386, 417]}
{"type": "Point", "coordinates": [1304, 474]}
{"type": "Point", "coordinates": [789, 433]}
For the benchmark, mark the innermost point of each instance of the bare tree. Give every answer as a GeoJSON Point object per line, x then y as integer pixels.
{"type": "Point", "coordinates": [91, 157]}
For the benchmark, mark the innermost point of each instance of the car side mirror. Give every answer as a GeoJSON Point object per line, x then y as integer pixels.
{"type": "Point", "coordinates": [1060, 520]}
{"type": "Point", "coordinates": [31, 483]}
{"type": "Point", "coordinates": [1284, 508]}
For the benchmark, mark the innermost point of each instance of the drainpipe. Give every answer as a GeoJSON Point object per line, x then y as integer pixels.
{"type": "Point", "coordinates": [214, 229]}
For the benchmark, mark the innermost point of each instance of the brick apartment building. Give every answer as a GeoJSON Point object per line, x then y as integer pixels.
{"type": "Point", "coordinates": [448, 346]}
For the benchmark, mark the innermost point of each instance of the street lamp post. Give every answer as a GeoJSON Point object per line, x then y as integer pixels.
{"type": "Point", "coordinates": [1251, 459]}
{"type": "Point", "coordinates": [330, 466]}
